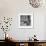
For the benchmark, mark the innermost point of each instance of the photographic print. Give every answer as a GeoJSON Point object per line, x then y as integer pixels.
{"type": "Point", "coordinates": [25, 20]}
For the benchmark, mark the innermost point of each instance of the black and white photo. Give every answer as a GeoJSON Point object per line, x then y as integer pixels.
{"type": "Point", "coordinates": [25, 20]}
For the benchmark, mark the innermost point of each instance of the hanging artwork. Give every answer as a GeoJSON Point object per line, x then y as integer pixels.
{"type": "Point", "coordinates": [25, 20]}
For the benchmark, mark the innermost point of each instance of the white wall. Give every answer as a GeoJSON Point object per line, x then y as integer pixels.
{"type": "Point", "coordinates": [12, 8]}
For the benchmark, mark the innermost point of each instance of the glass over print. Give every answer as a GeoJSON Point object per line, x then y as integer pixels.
{"type": "Point", "coordinates": [25, 20]}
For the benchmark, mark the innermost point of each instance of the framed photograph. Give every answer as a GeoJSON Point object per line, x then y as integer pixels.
{"type": "Point", "coordinates": [25, 20]}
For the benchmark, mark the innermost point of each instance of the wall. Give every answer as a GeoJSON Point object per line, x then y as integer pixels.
{"type": "Point", "coordinates": [11, 8]}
